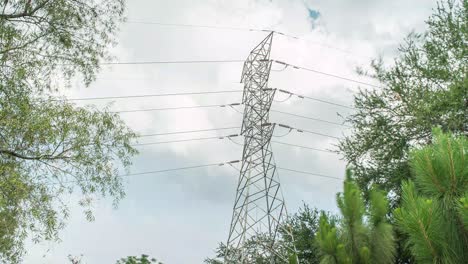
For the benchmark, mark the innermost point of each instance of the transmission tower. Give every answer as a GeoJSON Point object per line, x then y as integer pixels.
{"type": "Point", "coordinates": [259, 208]}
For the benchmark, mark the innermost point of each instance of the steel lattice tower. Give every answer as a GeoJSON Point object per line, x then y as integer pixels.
{"type": "Point", "coordinates": [259, 207]}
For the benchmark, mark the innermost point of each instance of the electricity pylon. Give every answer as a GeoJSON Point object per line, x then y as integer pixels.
{"type": "Point", "coordinates": [259, 209]}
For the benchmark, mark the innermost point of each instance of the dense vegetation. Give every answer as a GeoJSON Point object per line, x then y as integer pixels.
{"type": "Point", "coordinates": [50, 147]}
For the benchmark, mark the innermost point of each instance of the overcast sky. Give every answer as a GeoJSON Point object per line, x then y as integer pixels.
{"type": "Point", "coordinates": [180, 217]}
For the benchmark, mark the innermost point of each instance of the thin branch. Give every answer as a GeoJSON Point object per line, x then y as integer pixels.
{"type": "Point", "coordinates": [41, 157]}
{"type": "Point", "coordinates": [25, 13]}
{"type": "Point", "coordinates": [25, 44]}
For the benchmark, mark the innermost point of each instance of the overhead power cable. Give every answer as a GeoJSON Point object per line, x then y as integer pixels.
{"type": "Point", "coordinates": [312, 98]}
{"type": "Point", "coordinates": [293, 145]}
{"type": "Point", "coordinates": [302, 172]}
{"type": "Point", "coordinates": [157, 171]}
{"type": "Point", "coordinates": [210, 27]}
{"type": "Point", "coordinates": [195, 93]}
{"type": "Point", "coordinates": [169, 62]}
{"type": "Point", "coordinates": [328, 102]}
{"type": "Point", "coordinates": [189, 25]}
{"type": "Point", "coordinates": [237, 61]}
{"type": "Point", "coordinates": [311, 173]}
{"type": "Point", "coordinates": [316, 133]}
{"type": "Point", "coordinates": [220, 105]}
{"type": "Point", "coordinates": [222, 164]}
{"type": "Point", "coordinates": [304, 147]}
{"type": "Point", "coordinates": [311, 118]}
{"type": "Point", "coordinates": [198, 93]}
{"type": "Point", "coordinates": [184, 140]}
{"type": "Point", "coordinates": [241, 29]}
{"type": "Point", "coordinates": [152, 95]}
{"type": "Point", "coordinates": [218, 137]}
{"type": "Point", "coordinates": [324, 73]}
{"type": "Point", "coordinates": [169, 108]}
{"type": "Point", "coordinates": [299, 171]}
{"type": "Point", "coordinates": [180, 168]}
{"type": "Point", "coordinates": [187, 131]}
{"type": "Point", "coordinates": [300, 130]}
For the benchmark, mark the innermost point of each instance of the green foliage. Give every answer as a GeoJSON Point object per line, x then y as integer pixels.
{"type": "Point", "coordinates": [293, 259]}
{"type": "Point", "coordinates": [256, 251]}
{"type": "Point", "coordinates": [425, 87]}
{"type": "Point", "coordinates": [327, 239]}
{"type": "Point", "coordinates": [381, 236]}
{"type": "Point", "coordinates": [463, 210]}
{"type": "Point", "coordinates": [434, 209]}
{"type": "Point", "coordinates": [360, 236]}
{"type": "Point", "coordinates": [70, 36]}
{"type": "Point", "coordinates": [302, 225]}
{"type": "Point", "coordinates": [48, 146]}
{"type": "Point", "coordinates": [144, 259]}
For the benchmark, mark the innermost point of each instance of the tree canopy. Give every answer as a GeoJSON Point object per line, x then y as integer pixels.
{"type": "Point", "coordinates": [48, 145]}
{"type": "Point", "coordinates": [361, 235]}
{"type": "Point", "coordinates": [433, 211]}
{"type": "Point", "coordinates": [143, 259]}
{"type": "Point", "coordinates": [426, 86]}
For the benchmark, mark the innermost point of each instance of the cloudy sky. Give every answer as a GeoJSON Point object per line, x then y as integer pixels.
{"type": "Point", "coordinates": [179, 217]}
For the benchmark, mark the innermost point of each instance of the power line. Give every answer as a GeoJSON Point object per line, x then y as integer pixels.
{"type": "Point", "coordinates": [195, 93]}
{"type": "Point", "coordinates": [311, 173]}
{"type": "Point", "coordinates": [243, 29]}
{"type": "Point", "coordinates": [231, 61]}
{"type": "Point", "coordinates": [311, 118]}
{"type": "Point", "coordinates": [188, 131]}
{"type": "Point", "coordinates": [180, 168]}
{"type": "Point", "coordinates": [300, 130]}
{"type": "Point", "coordinates": [328, 102]}
{"type": "Point", "coordinates": [168, 108]}
{"type": "Point", "coordinates": [210, 27]}
{"type": "Point", "coordinates": [169, 62]}
{"type": "Point", "coordinates": [304, 147]}
{"type": "Point", "coordinates": [313, 98]}
{"type": "Point", "coordinates": [184, 140]}
{"type": "Point", "coordinates": [221, 164]}
{"type": "Point", "coordinates": [190, 25]}
{"type": "Point", "coordinates": [173, 141]}
{"type": "Point", "coordinates": [316, 133]}
{"type": "Point", "coordinates": [160, 171]}
{"type": "Point", "coordinates": [152, 95]}
{"type": "Point", "coordinates": [216, 137]}
{"type": "Point", "coordinates": [221, 105]}
{"type": "Point", "coordinates": [292, 145]}
{"type": "Point", "coordinates": [324, 73]}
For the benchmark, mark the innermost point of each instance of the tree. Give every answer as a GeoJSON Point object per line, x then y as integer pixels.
{"type": "Point", "coordinates": [144, 259]}
{"type": "Point", "coordinates": [75, 259]}
{"type": "Point", "coordinates": [425, 87]}
{"type": "Point", "coordinates": [433, 211]}
{"type": "Point", "coordinates": [49, 146]}
{"type": "Point", "coordinates": [303, 225]}
{"type": "Point", "coordinates": [354, 238]}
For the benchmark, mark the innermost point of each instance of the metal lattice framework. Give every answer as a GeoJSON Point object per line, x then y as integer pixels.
{"type": "Point", "coordinates": [259, 207]}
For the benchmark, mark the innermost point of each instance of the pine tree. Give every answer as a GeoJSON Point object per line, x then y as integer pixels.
{"type": "Point", "coordinates": [434, 209]}
{"type": "Point", "coordinates": [360, 236]}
